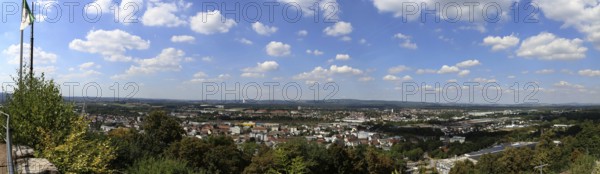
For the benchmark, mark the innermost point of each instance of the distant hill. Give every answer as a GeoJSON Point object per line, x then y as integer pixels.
{"type": "Point", "coordinates": [332, 104]}
{"type": "Point", "coordinates": [335, 103]}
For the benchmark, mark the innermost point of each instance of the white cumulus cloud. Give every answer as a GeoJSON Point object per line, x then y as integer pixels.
{"type": "Point", "coordinates": [501, 43]}
{"type": "Point", "coordinates": [338, 29]}
{"type": "Point", "coordinates": [169, 60]}
{"type": "Point", "coordinates": [583, 15]}
{"type": "Point", "coordinates": [302, 33]}
{"type": "Point", "coordinates": [345, 70]}
{"type": "Point", "coordinates": [314, 52]}
{"type": "Point", "coordinates": [405, 41]}
{"type": "Point", "coordinates": [463, 73]}
{"type": "Point", "coordinates": [112, 44]}
{"type": "Point", "coordinates": [324, 74]}
{"type": "Point", "coordinates": [263, 29]}
{"type": "Point", "coordinates": [245, 41]}
{"type": "Point", "coordinates": [545, 71]}
{"type": "Point", "coordinates": [390, 77]}
{"type": "Point", "coordinates": [468, 63]}
{"type": "Point", "coordinates": [426, 71]}
{"type": "Point", "coordinates": [448, 69]}
{"type": "Point", "coordinates": [260, 69]}
{"type": "Point", "coordinates": [278, 49]}
{"type": "Point", "coordinates": [564, 84]}
{"type": "Point", "coordinates": [88, 65]}
{"type": "Point", "coordinates": [589, 72]}
{"type": "Point", "coordinates": [86, 70]}
{"type": "Point", "coordinates": [183, 38]}
{"type": "Point", "coordinates": [398, 69]}
{"type": "Point", "coordinates": [13, 53]}
{"type": "Point", "coordinates": [546, 46]}
{"type": "Point", "coordinates": [211, 22]}
{"type": "Point", "coordinates": [342, 57]}
{"type": "Point", "coordinates": [162, 14]}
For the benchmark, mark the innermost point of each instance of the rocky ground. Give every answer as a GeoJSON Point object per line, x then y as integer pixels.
{"type": "Point", "coordinates": [25, 162]}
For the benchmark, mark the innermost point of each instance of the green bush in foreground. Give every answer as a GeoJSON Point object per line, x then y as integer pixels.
{"type": "Point", "coordinates": [41, 119]}
{"type": "Point", "coordinates": [159, 166]}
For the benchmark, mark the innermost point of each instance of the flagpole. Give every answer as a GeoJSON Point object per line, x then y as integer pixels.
{"type": "Point", "coordinates": [31, 52]}
{"type": "Point", "coordinates": [21, 59]}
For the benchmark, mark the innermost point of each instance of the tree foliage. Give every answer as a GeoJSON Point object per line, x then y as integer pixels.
{"type": "Point", "coordinates": [41, 119]}
{"type": "Point", "coordinates": [191, 150]}
{"type": "Point", "coordinates": [583, 164]}
{"type": "Point", "coordinates": [78, 154]}
{"type": "Point", "coordinates": [160, 130]}
{"type": "Point", "coordinates": [463, 167]}
{"type": "Point", "coordinates": [36, 107]}
{"type": "Point", "coordinates": [159, 166]}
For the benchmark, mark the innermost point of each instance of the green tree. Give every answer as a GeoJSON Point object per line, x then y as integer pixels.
{"type": "Point", "coordinates": [37, 107]}
{"type": "Point", "coordinates": [515, 160]}
{"type": "Point", "coordinates": [488, 163]}
{"type": "Point", "coordinates": [377, 162]}
{"type": "Point", "coordinates": [545, 152]}
{"type": "Point", "coordinates": [41, 119]}
{"type": "Point", "coordinates": [262, 162]}
{"type": "Point", "coordinates": [224, 159]}
{"type": "Point", "coordinates": [127, 149]}
{"type": "Point", "coordinates": [159, 166]}
{"type": "Point", "coordinates": [79, 154]}
{"type": "Point", "coordinates": [340, 159]}
{"type": "Point", "coordinates": [414, 154]}
{"type": "Point", "coordinates": [463, 167]}
{"type": "Point", "coordinates": [584, 164]}
{"type": "Point", "coordinates": [298, 166]}
{"type": "Point", "coordinates": [249, 149]}
{"type": "Point", "coordinates": [159, 131]}
{"type": "Point", "coordinates": [220, 141]}
{"type": "Point", "coordinates": [596, 168]}
{"type": "Point", "coordinates": [357, 156]}
{"type": "Point", "coordinates": [190, 150]}
{"type": "Point", "coordinates": [588, 139]}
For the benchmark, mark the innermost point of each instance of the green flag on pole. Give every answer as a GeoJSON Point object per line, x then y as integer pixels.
{"type": "Point", "coordinates": [27, 17]}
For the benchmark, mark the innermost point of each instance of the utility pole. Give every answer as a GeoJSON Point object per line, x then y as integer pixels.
{"type": "Point", "coordinates": [541, 167]}
{"type": "Point", "coordinates": [31, 44]}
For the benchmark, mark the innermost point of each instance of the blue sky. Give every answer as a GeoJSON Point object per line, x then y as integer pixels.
{"type": "Point", "coordinates": [370, 49]}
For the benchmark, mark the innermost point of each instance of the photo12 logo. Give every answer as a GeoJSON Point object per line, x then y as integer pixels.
{"type": "Point", "coordinates": [131, 11]}
{"type": "Point", "coordinates": [453, 92]}
{"type": "Point", "coordinates": [54, 11]}
{"type": "Point", "coordinates": [467, 11]}
{"type": "Point", "coordinates": [292, 12]}
{"type": "Point", "coordinates": [88, 91]}
{"type": "Point", "coordinates": [254, 91]}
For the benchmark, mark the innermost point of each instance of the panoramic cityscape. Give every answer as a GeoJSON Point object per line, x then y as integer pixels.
{"type": "Point", "coordinates": [300, 86]}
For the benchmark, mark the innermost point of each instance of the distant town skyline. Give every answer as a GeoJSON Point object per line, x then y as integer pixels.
{"type": "Point", "coordinates": [368, 49]}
